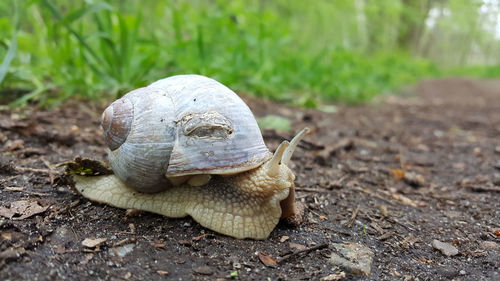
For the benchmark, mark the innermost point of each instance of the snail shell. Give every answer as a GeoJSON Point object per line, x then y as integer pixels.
{"type": "Point", "coordinates": [177, 126]}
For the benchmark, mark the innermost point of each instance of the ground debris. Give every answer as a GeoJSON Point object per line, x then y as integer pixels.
{"type": "Point", "coordinates": [489, 245]}
{"type": "Point", "coordinates": [334, 276]}
{"type": "Point", "coordinates": [297, 247]}
{"type": "Point", "coordinates": [354, 258]}
{"type": "Point", "coordinates": [86, 167]}
{"type": "Point", "coordinates": [7, 168]}
{"type": "Point", "coordinates": [398, 173]}
{"type": "Point", "coordinates": [121, 251]}
{"type": "Point", "coordinates": [12, 253]}
{"type": "Point", "coordinates": [331, 186]}
{"type": "Point", "coordinates": [162, 272]}
{"type": "Point", "coordinates": [300, 251]}
{"type": "Point", "coordinates": [284, 238]}
{"type": "Point", "coordinates": [93, 242]}
{"type": "Point", "coordinates": [407, 201]}
{"type": "Point", "coordinates": [445, 248]}
{"type": "Point", "coordinates": [11, 145]}
{"type": "Point", "coordinates": [414, 179]}
{"type": "Point", "coordinates": [203, 270]}
{"type": "Point", "coordinates": [267, 260]}
{"type": "Point", "coordinates": [22, 209]}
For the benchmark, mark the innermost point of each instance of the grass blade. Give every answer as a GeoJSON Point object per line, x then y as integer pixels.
{"type": "Point", "coordinates": [24, 99]}
{"type": "Point", "coordinates": [87, 9]}
{"type": "Point", "coordinates": [80, 39]}
{"type": "Point", "coordinates": [11, 52]}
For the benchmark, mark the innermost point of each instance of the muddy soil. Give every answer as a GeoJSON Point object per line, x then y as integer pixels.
{"type": "Point", "coordinates": [393, 176]}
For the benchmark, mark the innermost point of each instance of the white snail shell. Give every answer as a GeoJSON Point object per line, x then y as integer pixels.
{"type": "Point", "coordinates": [181, 125]}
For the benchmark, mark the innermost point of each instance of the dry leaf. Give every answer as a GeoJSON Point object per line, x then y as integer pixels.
{"type": "Point", "coordinates": [267, 260]}
{"type": "Point", "coordinates": [398, 173]}
{"type": "Point", "coordinates": [284, 238]}
{"type": "Point", "coordinates": [23, 208]}
{"type": "Point", "coordinates": [93, 242]}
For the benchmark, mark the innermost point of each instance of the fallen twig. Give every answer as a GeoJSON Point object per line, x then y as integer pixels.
{"type": "Point", "coordinates": [34, 170]}
{"type": "Point", "coordinates": [52, 171]}
{"type": "Point", "coordinates": [21, 189]}
{"type": "Point", "coordinates": [308, 189]}
{"type": "Point", "coordinates": [7, 179]}
{"type": "Point", "coordinates": [307, 250]}
{"type": "Point", "coordinates": [353, 216]}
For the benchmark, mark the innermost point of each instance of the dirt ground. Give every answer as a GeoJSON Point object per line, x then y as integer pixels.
{"type": "Point", "coordinates": [393, 176]}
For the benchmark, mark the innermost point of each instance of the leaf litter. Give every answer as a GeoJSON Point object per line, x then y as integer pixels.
{"type": "Point", "coordinates": [447, 193]}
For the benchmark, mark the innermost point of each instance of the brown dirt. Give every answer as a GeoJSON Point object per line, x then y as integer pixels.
{"type": "Point", "coordinates": [444, 142]}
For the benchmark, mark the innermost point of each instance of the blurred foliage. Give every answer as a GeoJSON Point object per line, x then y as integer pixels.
{"type": "Point", "coordinates": [295, 51]}
{"type": "Point", "coordinates": [276, 122]}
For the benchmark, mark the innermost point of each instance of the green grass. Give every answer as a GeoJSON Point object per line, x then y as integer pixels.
{"type": "Point", "coordinates": [279, 50]}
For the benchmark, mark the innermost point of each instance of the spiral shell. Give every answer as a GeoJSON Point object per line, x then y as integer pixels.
{"type": "Point", "coordinates": [181, 125]}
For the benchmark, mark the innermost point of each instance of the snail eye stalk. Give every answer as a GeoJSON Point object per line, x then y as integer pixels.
{"type": "Point", "coordinates": [293, 145]}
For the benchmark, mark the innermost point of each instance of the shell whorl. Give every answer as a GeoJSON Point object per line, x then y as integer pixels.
{"type": "Point", "coordinates": [116, 122]}
{"type": "Point", "coordinates": [178, 126]}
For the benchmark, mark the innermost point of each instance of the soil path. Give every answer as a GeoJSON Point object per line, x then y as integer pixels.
{"type": "Point", "coordinates": [393, 176]}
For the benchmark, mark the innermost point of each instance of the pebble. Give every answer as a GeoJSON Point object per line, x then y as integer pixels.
{"type": "Point", "coordinates": [204, 270]}
{"type": "Point", "coordinates": [121, 251]}
{"type": "Point", "coordinates": [354, 258]}
{"type": "Point", "coordinates": [445, 248]}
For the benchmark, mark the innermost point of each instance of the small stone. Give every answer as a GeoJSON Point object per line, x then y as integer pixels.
{"type": "Point", "coordinates": [355, 258]}
{"type": "Point", "coordinates": [284, 238]}
{"type": "Point", "coordinates": [204, 270]}
{"type": "Point", "coordinates": [414, 179]}
{"type": "Point", "coordinates": [445, 248]}
{"type": "Point", "coordinates": [162, 272]}
{"type": "Point", "coordinates": [462, 272]}
{"type": "Point", "coordinates": [121, 251]}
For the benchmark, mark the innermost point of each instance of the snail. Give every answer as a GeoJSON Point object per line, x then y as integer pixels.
{"type": "Point", "coordinates": [188, 145]}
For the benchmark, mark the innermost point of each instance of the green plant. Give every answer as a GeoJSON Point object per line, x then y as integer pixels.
{"type": "Point", "coordinates": [291, 51]}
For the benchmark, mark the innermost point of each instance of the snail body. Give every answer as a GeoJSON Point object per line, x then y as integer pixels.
{"type": "Point", "coordinates": [188, 145]}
